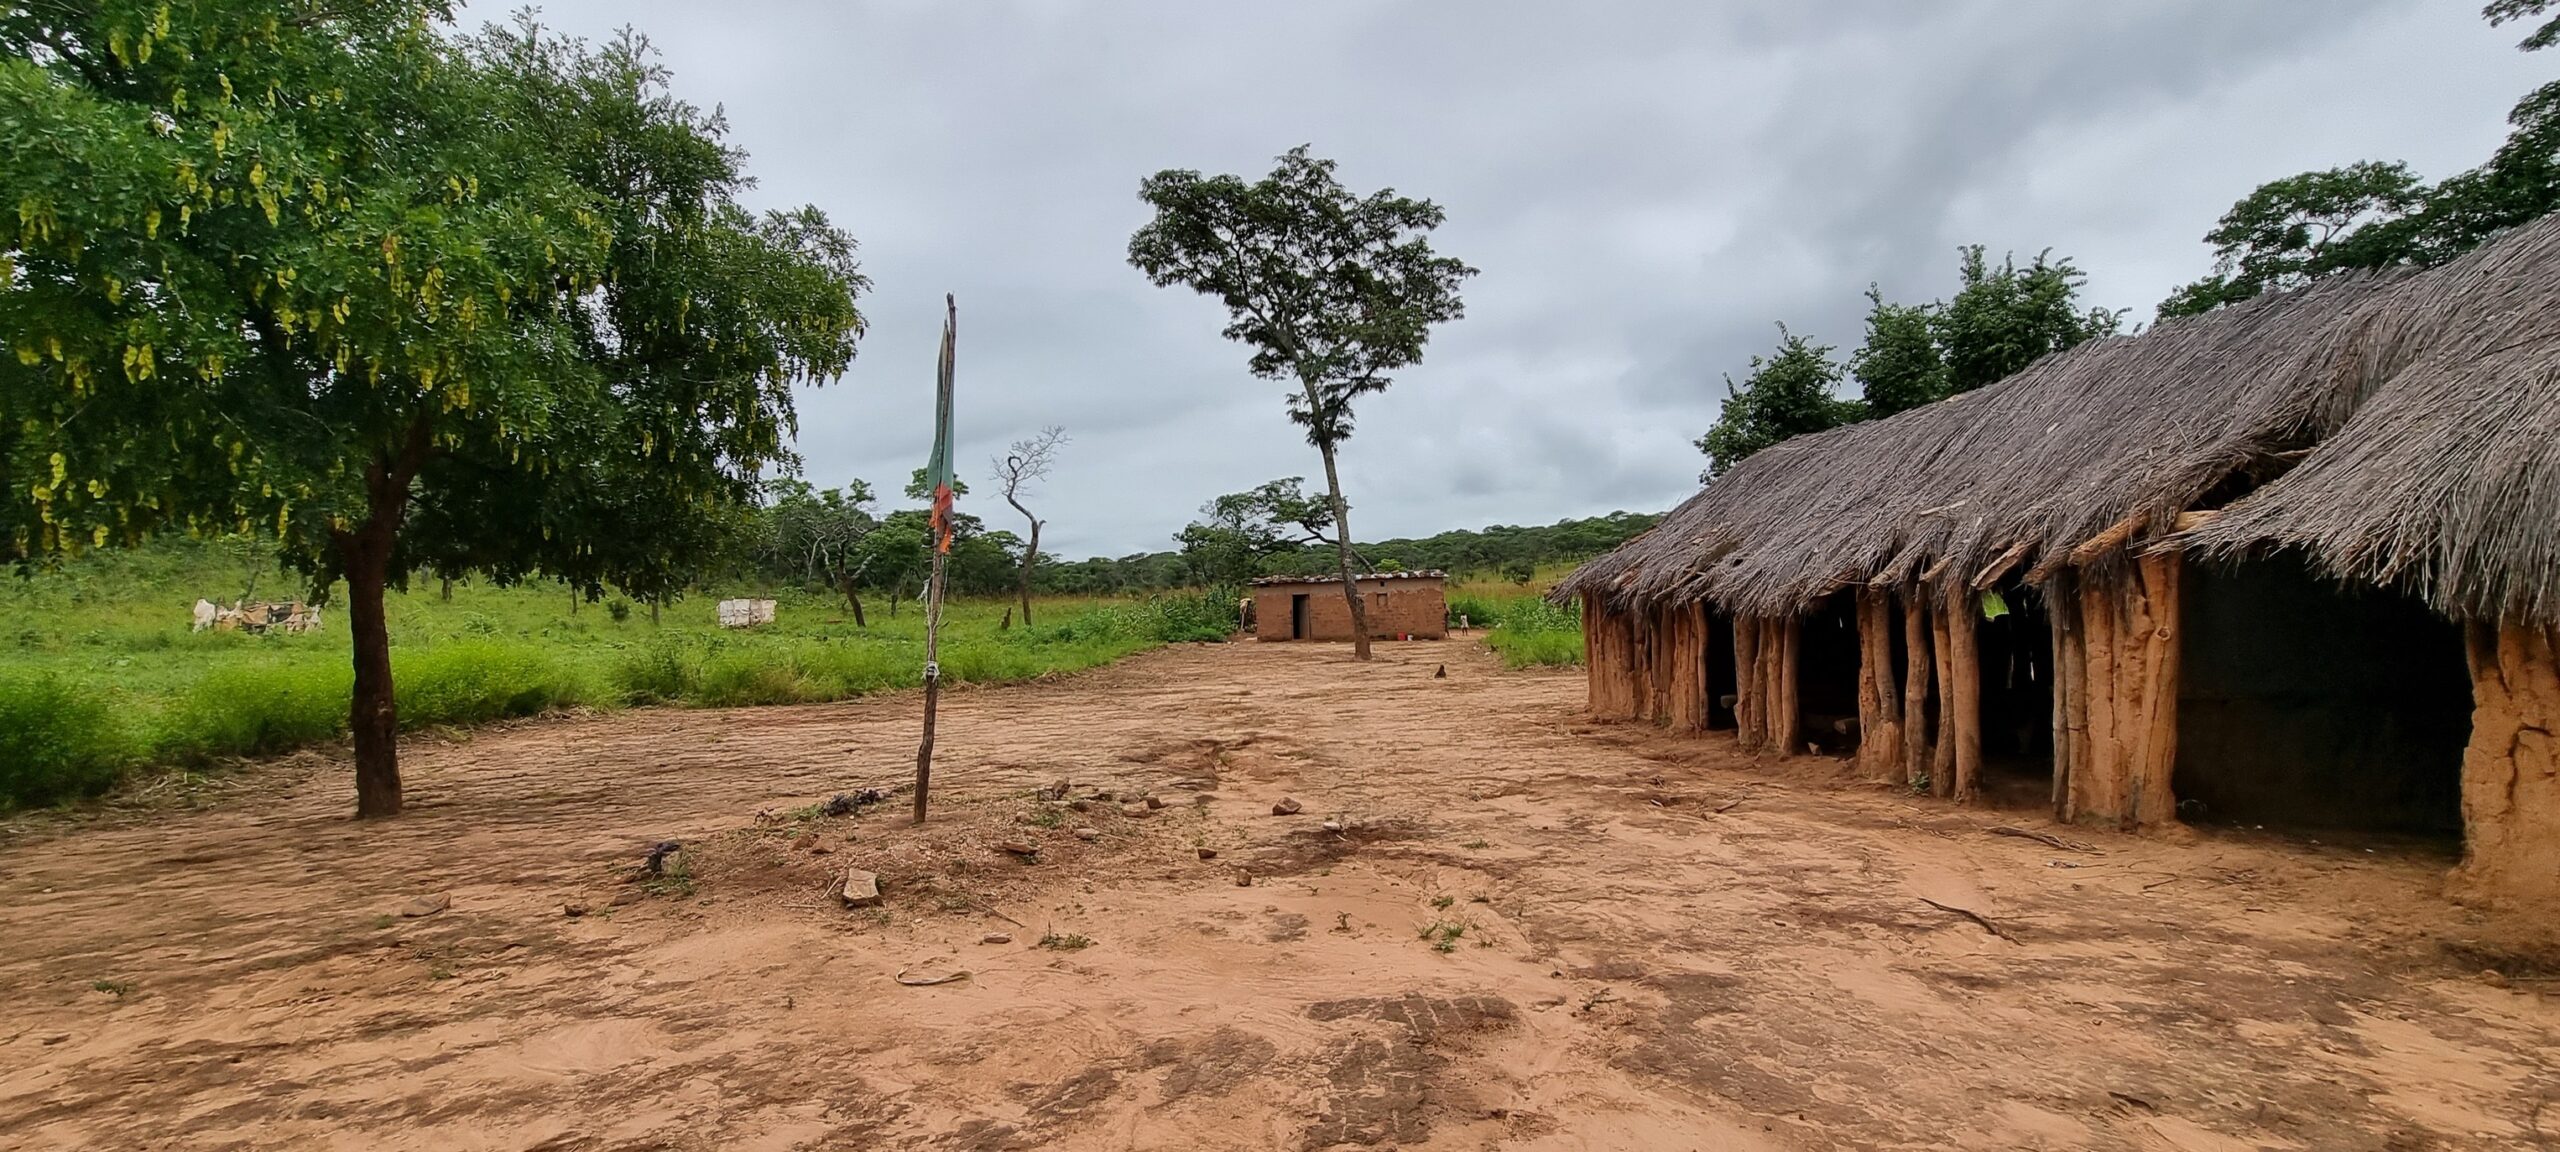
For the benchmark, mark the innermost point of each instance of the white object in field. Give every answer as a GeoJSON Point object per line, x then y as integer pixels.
{"type": "Point", "coordinates": [745, 613]}
{"type": "Point", "coordinates": [205, 612]}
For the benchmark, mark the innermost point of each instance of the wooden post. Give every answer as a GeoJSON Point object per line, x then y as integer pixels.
{"type": "Point", "coordinates": [1879, 705]}
{"type": "Point", "coordinates": [1786, 729]}
{"type": "Point", "coordinates": [2062, 605]}
{"type": "Point", "coordinates": [1964, 666]}
{"type": "Point", "coordinates": [1942, 758]}
{"type": "Point", "coordinates": [2153, 799]}
{"type": "Point", "coordinates": [1748, 733]}
{"type": "Point", "coordinates": [1689, 704]}
{"type": "Point", "coordinates": [940, 472]}
{"type": "Point", "coordinates": [2097, 771]}
{"type": "Point", "coordinates": [1916, 663]}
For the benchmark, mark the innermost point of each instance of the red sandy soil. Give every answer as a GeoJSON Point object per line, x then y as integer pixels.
{"type": "Point", "coordinates": [1662, 945]}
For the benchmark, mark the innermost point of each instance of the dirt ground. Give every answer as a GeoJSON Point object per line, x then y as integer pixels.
{"type": "Point", "coordinates": [1529, 932]}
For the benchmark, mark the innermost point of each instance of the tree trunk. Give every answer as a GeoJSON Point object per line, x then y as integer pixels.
{"type": "Point", "coordinates": [854, 597]}
{"type": "Point", "coordinates": [373, 716]}
{"type": "Point", "coordinates": [445, 593]}
{"type": "Point", "coordinates": [1342, 556]}
{"type": "Point", "coordinates": [654, 601]}
{"type": "Point", "coordinates": [1942, 761]}
{"type": "Point", "coordinates": [1030, 556]}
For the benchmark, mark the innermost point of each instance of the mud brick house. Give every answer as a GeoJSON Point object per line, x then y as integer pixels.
{"type": "Point", "coordinates": [1413, 604]}
{"type": "Point", "coordinates": [2294, 562]}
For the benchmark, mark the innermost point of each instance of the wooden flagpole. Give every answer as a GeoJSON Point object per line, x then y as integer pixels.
{"type": "Point", "coordinates": [941, 543]}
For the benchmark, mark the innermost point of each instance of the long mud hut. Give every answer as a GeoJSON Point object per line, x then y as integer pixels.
{"type": "Point", "coordinates": [2294, 562]}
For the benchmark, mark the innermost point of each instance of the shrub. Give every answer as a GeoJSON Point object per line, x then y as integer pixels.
{"type": "Point", "coordinates": [737, 678]}
{"type": "Point", "coordinates": [257, 710]}
{"type": "Point", "coordinates": [58, 741]}
{"type": "Point", "coordinates": [475, 682]}
{"type": "Point", "coordinates": [619, 609]}
{"type": "Point", "coordinates": [660, 673]}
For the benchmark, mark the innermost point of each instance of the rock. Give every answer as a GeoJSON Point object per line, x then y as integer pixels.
{"type": "Point", "coordinates": [426, 905]}
{"type": "Point", "coordinates": [807, 841]}
{"type": "Point", "coordinates": [821, 850]}
{"type": "Point", "coordinates": [1244, 879]}
{"type": "Point", "coordinates": [1017, 847]}
{"type": "Point", "coordinates": [996, 938]}
{"type": "Point", "coordinates": [656, 864]}
{"type": "Point", "coordinates": [1442, 674]}
{"type": "Point", "coordinates": [1057, 791]}
{"type": "Point", "coordinates": [1104, 796]}
{"type": "Point", "coordinates": [1155, 801]}
{"type": "Point", "coordinates": [1080, 805]}
{"type": "Point", "coordinates": [1136, 811]}
{"type": "Point", "coordinates": [861, 889]}
{"type": "Point", "coordinates": [1087, 834]}
{"type": "Point", "coordinates": [1332, 825]}
{"type": "Point", "coordinates": [1208, 853]}
{"type": "Point", "coordinates": [573, 910]}
{"type": "Point", "coordinates": [2493, 978]}
{"type": "Point", "coordinates": [56, 1038]}
{"type": "Point", "coordinates": [627, 896]}
{"type": "Point", "coordinates": [1288, 806]}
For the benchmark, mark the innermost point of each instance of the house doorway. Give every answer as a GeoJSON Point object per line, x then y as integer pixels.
{"type": "Point", "coordinates": [1298, 616]}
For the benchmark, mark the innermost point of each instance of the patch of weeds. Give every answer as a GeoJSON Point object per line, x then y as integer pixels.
{"type": "Point", "coordinates": [674, 878]}
{"type": "Point", "coordinates": [1342, 922]}
{"type": "Point", "coordinates": [385, 920]}
{"type": "Point", "coordinates": [1443, 902]}
{"type": "Point", "coordinates": [1444, 934]}
{"type": "Point", "coordinates": [439, 973]}
{"type": "Point", "coordinates": [1068, 943]}
{"type": "Point", "coordinates": [1046, 817]}
{"type": "Point", "coordinates": [1475, 845]}
{"type": "Point", "coordinates": [116, 988]}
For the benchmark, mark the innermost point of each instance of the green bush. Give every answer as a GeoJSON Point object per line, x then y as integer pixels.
{"type": "Point", "coordinates": [57, 742]}
{"type": "Point", "coordinates": [473, 682]}
{"type": "Point", "coordinates": [739, 678]}
{"type": "Point", "coordinates": [1522, 649]}
{"type": "Point", "coordinates": [255, 711]}
{"type": "Point", "coordinates": [660, 673]}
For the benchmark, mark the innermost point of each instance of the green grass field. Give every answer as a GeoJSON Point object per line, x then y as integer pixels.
{"type": "Point", "coordinates": [1518, 622]}
{"type": "Point", "coordinates": [100, 675]}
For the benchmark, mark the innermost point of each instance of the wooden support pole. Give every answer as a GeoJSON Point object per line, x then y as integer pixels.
{"type": "Point", "coordinates": [1749, 733]}
{"type": "Point", "coordinates": [2153, 799]}
{"type": "Point", "coordinates": [1942, 758]}
{"type": "Point", "coordinates": [1786, 731]}
{"type": "Point", "coordinates": [1964, 664]}
{"type": "Point", "coordinates": [2097, 777]}
{"type": "Point", "coordinates": [2062, 609]}
{"type": "Point", "coordinates": [1688, 679]}
{"type": "Point", "coordinates": [1915, 687]}
{"type": "Point", "coordinates": [1879, 704]}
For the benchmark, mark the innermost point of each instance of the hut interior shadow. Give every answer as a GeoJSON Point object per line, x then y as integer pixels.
{"type": "Point", "coordinates": [2303, 705]}
{"type": "Point", "coordinates": [1827, 675]}
{"type": "Point", "coordinates": [2016, 664]}
{"type": "Point", "coordinates": [1721, 684]}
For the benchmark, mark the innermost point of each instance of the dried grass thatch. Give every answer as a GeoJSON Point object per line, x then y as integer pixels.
{"type": "Point", "coordinates": [2421, 408]}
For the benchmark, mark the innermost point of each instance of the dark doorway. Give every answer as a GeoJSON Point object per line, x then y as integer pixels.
{"type": "Point", "coordinates": [2303, 704]}
{"type": "Point", "coordinates": [1827, 674]}
{"type": "Point", "coordinates": [1720, 671]}
{"type": "Point", "coordinates": [2013, 639]}
{"type": "Point", "coordinates": [1298, 616]}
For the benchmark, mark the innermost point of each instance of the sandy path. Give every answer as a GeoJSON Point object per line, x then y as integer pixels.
{"type": "Point", "coordinates": [1659, 945]}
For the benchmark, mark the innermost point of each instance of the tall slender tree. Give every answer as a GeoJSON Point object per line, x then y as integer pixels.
{"type": "Point", "coordinates": [1023, 466]}
{"type": "Point", "coordinates": [397, 298]}
{"type": "Point", "coordinates": [1331, 291]}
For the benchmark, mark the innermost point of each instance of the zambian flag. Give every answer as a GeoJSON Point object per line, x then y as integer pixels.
{"type": "Point", "coordinates": [938, 472]}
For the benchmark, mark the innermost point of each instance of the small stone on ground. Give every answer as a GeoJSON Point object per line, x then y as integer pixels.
{"type": "Point", "coordinates": [426, 905]}
{"type": "Point", "coordinates": [1288, 806]}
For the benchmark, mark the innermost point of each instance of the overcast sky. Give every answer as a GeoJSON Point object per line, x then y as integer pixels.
{"type": "Point", "coordinates": [1645, 187]}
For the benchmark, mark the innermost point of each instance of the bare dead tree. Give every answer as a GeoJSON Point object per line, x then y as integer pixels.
{"type": "Point", "coordinates": [1025, 464]}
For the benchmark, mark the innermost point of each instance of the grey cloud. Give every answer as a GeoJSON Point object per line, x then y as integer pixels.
{"type": "Point", "coordinates": [1647, 187]}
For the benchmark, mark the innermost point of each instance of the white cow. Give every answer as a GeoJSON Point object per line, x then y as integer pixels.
{"type": "Point", "coordinates": [205, 614]}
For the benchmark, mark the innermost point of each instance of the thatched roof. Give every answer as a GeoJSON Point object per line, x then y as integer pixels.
{"type": "Point", "coordinates": [2420, 407]}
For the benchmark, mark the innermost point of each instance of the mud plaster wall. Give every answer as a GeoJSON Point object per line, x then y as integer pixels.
{"type": "Point", "coordinates": [1417, 607]}
{"type": "Point", "coordinates": [2511, 768]}
{"type": "Point", "coordinates": [2306, 705]}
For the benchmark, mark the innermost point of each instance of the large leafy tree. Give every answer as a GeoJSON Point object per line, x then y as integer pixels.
{"type": "Point", "coordinates": [397, 298]}
{"type": "Point", "coordinates": [1900, 366]}
{"type": "Point", "coordinates": [816, 535]}
{"type": "Point", "coordinates": [2374, 214]}
{"type": "Point", "coordinates": [1786, 394]}
{"type": "Point", "coordinates": [1237, 532]}
{"type": "Point", "coordinates": [2004, 317]}
{"type": "Point", "coordinates": [1332, 291]}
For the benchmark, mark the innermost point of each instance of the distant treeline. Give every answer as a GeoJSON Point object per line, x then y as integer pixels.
{"type": "Point", "coordinates": [1513, 552]}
